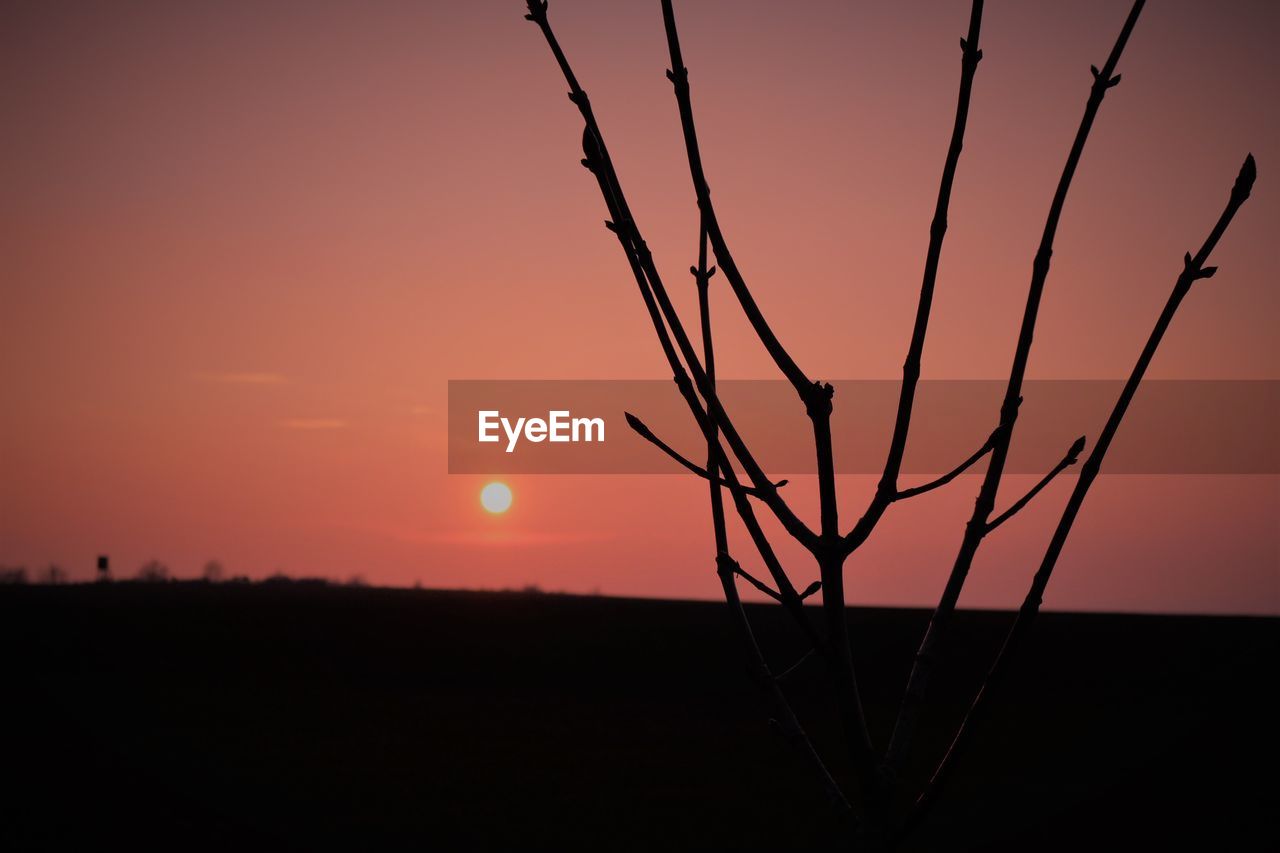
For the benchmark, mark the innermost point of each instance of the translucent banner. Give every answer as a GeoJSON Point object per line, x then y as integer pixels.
{"type": "Point", "coordinates": [578, 426]}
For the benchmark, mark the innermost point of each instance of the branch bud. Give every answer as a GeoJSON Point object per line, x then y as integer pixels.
{"type": "Point", "coordinates": [537, 11]}
{"type": "Point", "coordinates": [1192, 270]}
{"type": "Point", "coordinates": [817, 401]}
{"type": "Point", "coordinates": [726, 566]}
{"type": "Point", "coordinates": [1244, 182]}
{"type": "Point", "coordinates": [1101, 83]}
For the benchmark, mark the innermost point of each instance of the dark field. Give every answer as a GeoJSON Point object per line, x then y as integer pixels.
{"type": "Point", "coordinates": [293, 716]}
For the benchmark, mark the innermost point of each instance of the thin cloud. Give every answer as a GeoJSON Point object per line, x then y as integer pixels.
{"type": "Point", "coordinates": [504, 538]}
{"type": "Point", "coordinates": [313, 423]}
{"type": "Point", "coordinates": [247, 378]}
{"type": "Point", "coordinates": [490, 538]}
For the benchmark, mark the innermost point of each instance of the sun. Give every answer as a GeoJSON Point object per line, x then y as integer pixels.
{"type": "Point", "coordinates": [496, 498]}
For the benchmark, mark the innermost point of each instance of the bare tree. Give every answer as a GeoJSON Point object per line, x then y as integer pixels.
{"type": "Point", "coordinates": [13, 575]}
{"type": "Point", "coordinates": [53, 574]}
{"type": "Point", "coordinates": [881, 806]}
{"type": "Point", "coordinates": [153, 571]}
{"type": "Point", "coordinates": [213, 571]}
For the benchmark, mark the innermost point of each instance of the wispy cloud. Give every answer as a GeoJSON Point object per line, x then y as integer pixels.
{"type": "Point", "coordinates": [501, 538]}
{"type": "Point", "coordinates": [479, 537]}
{"type": "Point", "coordinates": [246, 378]}
{"type": "Point", "coordinates": [313, 423]}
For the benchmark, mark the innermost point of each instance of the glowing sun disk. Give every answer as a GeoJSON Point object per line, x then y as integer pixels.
{"type": "Point", "coordinates": [496, 497]}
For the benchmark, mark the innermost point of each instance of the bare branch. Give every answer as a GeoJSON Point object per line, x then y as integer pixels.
{"type": "Point", "coordinates": [787, 721]}
{"type": "Point", "coordinates": [976, 529]}
{"type": "Point", "coordinates": [817, 399]}
{"type": "Point", "coordinates": [948, 477]}
{"type": "Point", "coordinates": [786, 593]}
{"type": "Point", "coordinates": [790, 600]}
{"type": "Point", "coordinates": [831, 570]}
{"type": "Point", "coordinates": [785, 588]}
{"type": "Point", "coordinates": [795, 667]}
{"type": "Point", "coordinates": [708, 426]}
{"type": "Point", "coordinates": [970, 56]}
{"type": "Point", "coordinates": [887, 492]}
{"type": "Point", "coordinates": [763, 587]}
{"type": "Point", "coordinates": [789, 724]}
{"type": "Point", "coordinates": [1193, 270]}
{"type": "Point", "coordinates": [728, 454]}
{"type": "Point", "coordinates": [662, 312]}
{"type": "Point", "coordinates": [647, 434]}
{"type": "Point", "coordinates": [679, 77]}
{"type": "Point", "coordinates": [1068, 460]}
{"type": "Point", "coordinates": [598, 162]}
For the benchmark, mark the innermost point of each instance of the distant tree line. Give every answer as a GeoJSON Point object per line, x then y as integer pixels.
{"type": "Point", "coordinates": [155, 571]}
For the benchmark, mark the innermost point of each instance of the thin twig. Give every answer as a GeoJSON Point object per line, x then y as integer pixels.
{"type": "Point", "coordinates": [727, 567]}
{"type": "Point", "coordinates": [787, 720]}
{"type": "Point", "coordinates": [1193, 270]}
{"type": "Point", "coordinates": [791, 670]}
{"type": "Point", "coordinates": [705, 423]}
{"type": "Point", "coordinates": [644, 432]}
{"type": "Point", "coordinates": [887, 492]}
{"type": "Point", "coordinates": [662, 315]}
{"type": "Point", "coordinates": [1068, 460]}
{"type": "Point", "coordinates": [679, 77]}
{"type": "Point", "coordinates": [597, 160]}
{"type": "Point", "coordinates": [708, 426]}
{"type": "Point", "coordinates": [817, 399]}
{"type": "Point", "coordinates": [758, 584]}
{"type": "Point", "coordinates": [951, 475]}
{"type": "Point", "coordinates": [970, 56]}
{"type": "Point", "coordinates": [767, 492]}
{"type": "Point", "coordinates": [976, 529]}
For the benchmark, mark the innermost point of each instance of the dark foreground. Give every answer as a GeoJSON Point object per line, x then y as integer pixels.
{"type": "Point", "coordinates": [188, 716]}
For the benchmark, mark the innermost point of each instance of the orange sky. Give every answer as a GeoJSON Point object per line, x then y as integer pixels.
{"type": "Point", "coordinates": [245, 245]}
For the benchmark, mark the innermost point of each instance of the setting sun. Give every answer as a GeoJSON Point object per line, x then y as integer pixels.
{"type": "Point", "coordinates": [496, 497]}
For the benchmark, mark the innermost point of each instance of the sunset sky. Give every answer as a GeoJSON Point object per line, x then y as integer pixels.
{"type": "Point", "coordinates": [245, 245]}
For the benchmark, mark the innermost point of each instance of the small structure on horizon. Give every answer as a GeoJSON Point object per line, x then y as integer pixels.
{"type": "Point", "coordinates": [104, 567]}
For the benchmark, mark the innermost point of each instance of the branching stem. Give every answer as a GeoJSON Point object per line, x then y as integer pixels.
{"type": "Point", "coordinates": [644, 432]}
{"type": "Point", "coordinates": [926, 656]}
{"type": "Point", "coordinates": [1193, 270]}
{"type": "Point", "coordinates": [1067, 461]}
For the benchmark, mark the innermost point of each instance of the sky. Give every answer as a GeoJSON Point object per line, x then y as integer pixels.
{"type": "Point", "coordinates": [246, 245]}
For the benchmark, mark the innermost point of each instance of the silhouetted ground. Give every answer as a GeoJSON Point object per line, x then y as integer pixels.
{"type": "Point", "coordinates": [297, 717]}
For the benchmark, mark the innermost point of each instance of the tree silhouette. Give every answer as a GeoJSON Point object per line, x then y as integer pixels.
{"type": "Point", "coordinates": [13, 575]}
{"type": "Point", "coordinates": [53, 575]}
{"type": "Point", "coordinates": [882, 806]}
{"type": "Point", "coordinates": [153, 571]}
